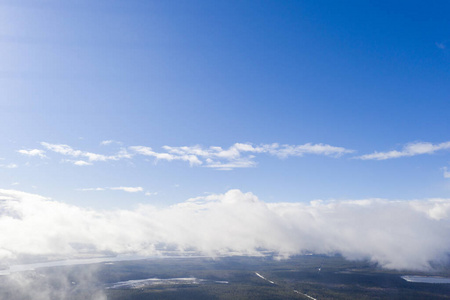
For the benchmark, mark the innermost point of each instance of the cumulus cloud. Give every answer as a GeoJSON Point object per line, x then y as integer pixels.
{"type": "Point", "coordinates": [33, 152]}
{"type": "Point", "coordinates": [396, 234]}
{"type": "Point", "coordinates": [410, 149]}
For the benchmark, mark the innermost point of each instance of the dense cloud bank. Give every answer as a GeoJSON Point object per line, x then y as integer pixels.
{"type": "Point", "coordinates": [396, 234]}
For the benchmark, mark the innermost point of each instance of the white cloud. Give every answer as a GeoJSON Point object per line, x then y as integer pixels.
{"type": "Point", "coordinates": [300, 150]}
{"type": "Point", "coordinates": [127, 189]}
{"type": "Point", "coordinates": [242, 163]}
{"type": "Point", "coordinates": [239, 155]}
{"type": "Point", "coordinates": [91, 157]}
{"type": "Point", "coordinates": [109, 142]}
{"type": "Point", "coordinates": [33, 152]}
{"type": "Point", "coordinates": [106, 142]}
{"type": "Point", "coordinates": [236, 150]}
{"type": "Point", "coordinates": [410, 149]}
{"type": "Point", "coordinates": [120, 188]}
{"type": "Point", "coordinates": [82, 163]}
{"type": "Point", "coordinates": [151, 194]}
{"type": "Point", "coordinates": [147, 151]}
{"type": "Point", "coordinates": [396, 234]}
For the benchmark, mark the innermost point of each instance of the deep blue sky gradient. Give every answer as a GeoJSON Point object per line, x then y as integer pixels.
{"type": "Point", "coordinates": [364, 75]}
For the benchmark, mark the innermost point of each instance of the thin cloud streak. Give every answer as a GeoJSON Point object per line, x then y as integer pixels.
{"type": "Point", "coordinates": [91, 157]}
{"type": "Point", "coordinates": [411, 149]}
{"type": "Point", "coordinates": [396, 234]}
{"type": "Point", "coordinates": [147, 151]}
{"type": "Point", "coordinates": [127, 189]}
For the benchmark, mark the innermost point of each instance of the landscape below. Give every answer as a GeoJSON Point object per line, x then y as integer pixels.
{"type": "Point", "coordinates": [300, 277]}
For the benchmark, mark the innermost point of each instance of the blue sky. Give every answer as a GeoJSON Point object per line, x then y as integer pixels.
{"type": "Point", "coordinates": [298, 95]}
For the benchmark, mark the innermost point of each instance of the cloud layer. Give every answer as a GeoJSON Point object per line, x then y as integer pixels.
{"type": "Point", "coordinates": [396, 234]}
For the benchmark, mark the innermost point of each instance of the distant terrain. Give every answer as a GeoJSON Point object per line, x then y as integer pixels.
{"type": "Point", "coordinates": [301, 277]}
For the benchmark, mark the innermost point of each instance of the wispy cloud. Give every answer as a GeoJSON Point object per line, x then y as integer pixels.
{"type": "Point", "coordinates": [33, 152]}
{"type": "Point", "coordinates": [109, 142]}
{"type": "Point", "coordinates": [397, 234]}
{"type": "Point", "coordinates": [239, 155]}
{"type": "Point", "coordinates": [411, 149]}
{"type": "Point", "coordinates": [127, 189]}
{"type": "Point", "coordinates": [147, 151]}
{"type": "Point", "coordinates": [236, 150]}
{"type": "Point", "coordinates": [226, 166]}
{"type": "Point", "coordinates": [91, 157]}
